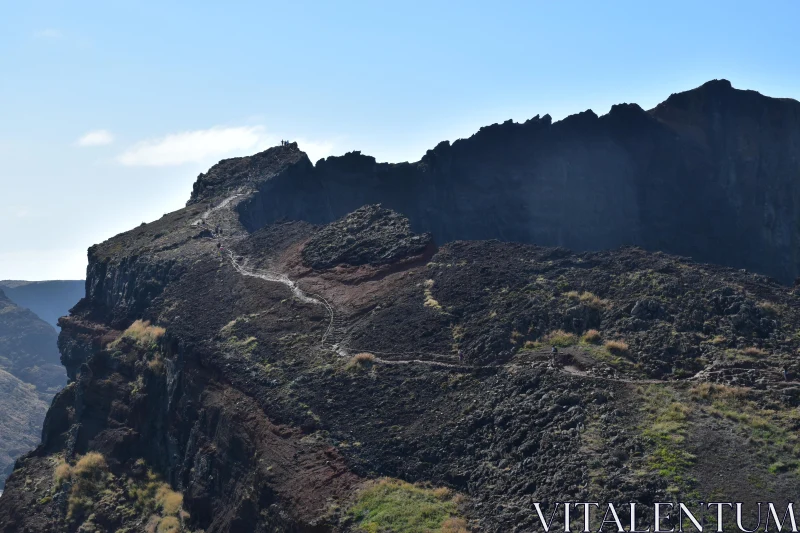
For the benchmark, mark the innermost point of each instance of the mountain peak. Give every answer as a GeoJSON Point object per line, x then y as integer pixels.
{"type": "Point", "coordinates": [234, 173]}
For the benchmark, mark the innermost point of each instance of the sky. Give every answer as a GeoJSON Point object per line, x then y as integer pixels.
{"type": "Point", "coordinates": [110, 109]}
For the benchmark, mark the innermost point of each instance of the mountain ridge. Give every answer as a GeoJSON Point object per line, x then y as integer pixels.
{"type": "Point", "coordinates": [283, 353]}
{"type": "Point", "coordinates": [677, 178]}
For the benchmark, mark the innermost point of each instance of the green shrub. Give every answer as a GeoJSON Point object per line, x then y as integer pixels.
{"type": "Point", "coordinates": [400, 507]}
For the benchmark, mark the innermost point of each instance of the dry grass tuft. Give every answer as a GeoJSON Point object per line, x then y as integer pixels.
{"type": "Point", "coordinates": [169, 524]}
{"type": "Point", "coordinates": [152, 524]}
{"type": "Point", "coordinates": [90, 466]}
{"type": "Point", "coordinates": [62, 473]}
{"type": "Point", "coordinates": [454, 525]}
{"type": "Point", "coordinates": [430, 301]}
{"type": "Point", "coordinates": [592, 300]}
{"type": "Point", "coordinates": [443, 493]}
{"type": "Point", "coordinates": [711, 391]}
{"type": "Point", "coordinates": [719, 339]}
{"type": "Point", "coordinates": [591, 337]}
{"type": "Point", "coordinates": [361, 360]}
{"type": "Point", "coordinates": [170, 501]}
{"type": "Point", "coordinates": [587, 298]}
{"type": "Point", "coordinates": [89, 476]}
{"type": "Point", "coordinates": [752, 351]}
{"type": "Point", "coordinates": [142, 333]}
{"type": "Point", "coordinates": [559, 338]}
{"type": "Point", "coordinates": [617, 347]}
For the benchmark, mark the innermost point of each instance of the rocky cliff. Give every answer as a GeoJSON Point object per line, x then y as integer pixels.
{"type": "Point", "coordinates": [712, 173]}
{"type": "Point", "coordinates": [279, 356]}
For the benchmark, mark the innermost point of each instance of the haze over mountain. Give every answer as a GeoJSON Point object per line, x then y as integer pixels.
{"type": "Point", "coordinates": [50, 300]}
{"type": "Point", "coordinates": [353, 345]}
{"type": "Point", "coordinates": [30, 374]}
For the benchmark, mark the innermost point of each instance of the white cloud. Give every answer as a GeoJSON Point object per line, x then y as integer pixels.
{"type": "Point", "coordinates": [194, 146]}
{"type": "Point", "coordinates": [96, 138]}
{"type": "Point", "coordinates": [48, 33]}
{"type": "Point", "coordinates": [209, 146]}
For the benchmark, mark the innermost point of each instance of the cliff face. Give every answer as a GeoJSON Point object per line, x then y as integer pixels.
{"type": "Point", "coordinates": [266, 360]}
{"type": "Point", "coordinates": [712, 173]}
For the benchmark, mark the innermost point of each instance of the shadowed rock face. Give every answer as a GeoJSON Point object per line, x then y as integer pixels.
{"type": "Point", "coordinates": [370, 235]}
{"type": "Point", "coordinates": [712, 173]}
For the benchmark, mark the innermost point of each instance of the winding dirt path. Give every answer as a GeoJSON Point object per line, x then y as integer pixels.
{"type": "Point", "coordinates": [343, 351]}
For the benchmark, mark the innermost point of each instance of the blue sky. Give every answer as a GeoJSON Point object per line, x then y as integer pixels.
{"type": "Point", "coordinates": [109, 110]}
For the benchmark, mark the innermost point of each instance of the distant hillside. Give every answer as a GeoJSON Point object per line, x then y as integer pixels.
{"type": "Point", "coordinates": [30, 374]}
{"type": "Point", "coordinates": [48, 299]}
{"type": "Point", "coordinates": [22, 413]}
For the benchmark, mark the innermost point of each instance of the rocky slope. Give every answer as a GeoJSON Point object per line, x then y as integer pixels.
{"type": "Point", "coordinates": [50, 300]}
{"type": "Point", "coordinates": [30, 374]}
{"type": "Point", "coordinates": [242, 365]}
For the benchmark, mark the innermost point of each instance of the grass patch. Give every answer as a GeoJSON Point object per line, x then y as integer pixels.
{"type": "Point", "coordinates": [91, 486]}
{"type": "Point", "coordinates": [244, 346]}
{"type": "Point", "coordinates": [430, 301]}
{"type": "Point", "coordinates": [587, 298]}
{"type": "Point", "coordinates": [558, 337]}
{"type": "Point", "coordinates": [768, 429]}
{"type": "Point", "coordinates": [88, 478]}
{"type": "Point", "coordinates": [400, 507]}
{"type": "Point", "coordinates": [665, 424]}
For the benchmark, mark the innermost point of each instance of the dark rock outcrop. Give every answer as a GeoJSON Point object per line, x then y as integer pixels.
{"type": "Point", "coordinates": [370, 235]}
